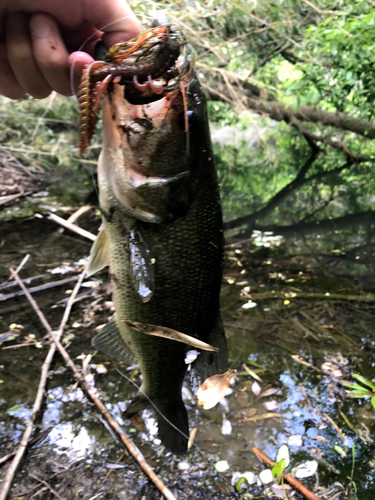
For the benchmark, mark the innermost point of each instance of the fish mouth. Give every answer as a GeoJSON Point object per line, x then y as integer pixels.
{"type": "Point", "coordinates": [149, 66]}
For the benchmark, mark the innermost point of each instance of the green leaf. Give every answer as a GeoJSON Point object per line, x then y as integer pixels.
{"type": "Point", "coordinates": [278, 468]}
{"type": "Point", "coordinates": [364, 381]}
{"type": "Point", "coordinates": [373, 401]}
{"type": "Point", "coordinates": [13, 410]}
{"type": "Point", "coordinates": [355, 386]}
{"type": "Point", "coordinates": [240, 483]}
{"type": "Point", "coordinates": [339, 450]}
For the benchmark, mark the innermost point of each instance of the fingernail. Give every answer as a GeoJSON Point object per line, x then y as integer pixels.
{"type": "Point", "coordinates": [40, 26]}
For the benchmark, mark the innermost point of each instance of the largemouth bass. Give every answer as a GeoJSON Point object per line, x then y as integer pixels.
{"type": "Point", "coordinates": [162, 238]}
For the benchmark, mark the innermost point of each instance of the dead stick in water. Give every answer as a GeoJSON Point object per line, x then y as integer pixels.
{"type": "Point", "coordinates": [100, 406]}
{"type": "Point", "coordinates": [291, 480]}
{"type": "Point", "coordinates": [72, 227]}
{"type": "Point", "coordinates": [7, 482]}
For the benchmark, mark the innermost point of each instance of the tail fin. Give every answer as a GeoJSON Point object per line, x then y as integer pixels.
{"type": "Point", "coordinates": [174, 437]}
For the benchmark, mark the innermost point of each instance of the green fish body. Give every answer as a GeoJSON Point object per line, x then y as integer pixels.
{"type": "Point", "coordinates": [162, 237]}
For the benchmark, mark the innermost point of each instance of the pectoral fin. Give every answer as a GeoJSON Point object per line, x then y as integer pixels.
{"type": "Point", "coordinates": [110, 341]}
{"type": "Point", "coordinates": [169, 333]}
{"type": "Point", "coordinates": [99, 255]}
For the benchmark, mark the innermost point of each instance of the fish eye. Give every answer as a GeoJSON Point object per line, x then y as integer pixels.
{"type": "Point", "coordinates": [192, 120]}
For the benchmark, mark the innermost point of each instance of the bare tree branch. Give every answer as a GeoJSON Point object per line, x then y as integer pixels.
{"type": "Point", "coordinates": [279, 197]}
{"type": "Point", "coordinates": [284, 112]}
{"type": "Point", "coordinates": [320, 226]}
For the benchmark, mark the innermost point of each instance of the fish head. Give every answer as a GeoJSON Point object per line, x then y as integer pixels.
{"type": "Point", "coordinates": [156, 154]}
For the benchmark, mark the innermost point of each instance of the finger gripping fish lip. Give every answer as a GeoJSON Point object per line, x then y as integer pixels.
{"type": "Point", "coordinates": [138, 62]}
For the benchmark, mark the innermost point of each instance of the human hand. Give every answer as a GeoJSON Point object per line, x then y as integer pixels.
{"type": "Point", "coordinates": [39, 41]}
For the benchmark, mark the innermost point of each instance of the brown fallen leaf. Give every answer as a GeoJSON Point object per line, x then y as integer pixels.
{"type": "Point", "coordinates": [192, 437]}
{"type": "Point", "coordinates": [246, 412]}
{"type": "Point", "coordinates": [169, 333]}
{"type": "Point", "coordinates": [317, 453]}
{"type": "Point", "coordinates": [263, 416]}
{"type": "Point", "coordinates": [251, 373]}
{"type": "Point", "coordinates": [269, 392]}
{"type": "Point", "coordinates": [300, 360]}
{"type": "Point", "coordinates": [213, 389]}
{"type": "Point", "coordinates": [322, 438]}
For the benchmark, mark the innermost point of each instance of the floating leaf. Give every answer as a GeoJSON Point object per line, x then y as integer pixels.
{"type": "Point", "coordinates": [221, 466]}
{"type": "Point", "coordinates": [246, 412]}
{"type": "Point", "coordinates": [263, 416]}
{"type": "Point", "coordinates": [247, 476]}
{"type": "Point", "coordinates": [322, 438]}
{"type": "Point", "coordinates": [169, 333]}
{"type": "Point", "coordinates": [306, 469]}
{"type": "Point", "coordinates": [283, 454]}
{"type": "Point", "coordinates": [249, 305]}
{"type": "Point", "coordinates": [214, 389]}
{"type": "Point", "coordinates": [226, 427]}
{"type": "Point", "coordinates": [192, 437]}
{"type": "Point", "coordinates": [271, 405]}
{"type": "Point", "coordinates": [269, 392]}
{"type": "Point", "coordinates": [251, 373]}
{"type": "Point", "coordinates": [295, 440]}
{"type": "Point", "coordinates": [265, 477]}
{"type": "Point", "coordinates": [256, 388]}
{"type": "Point", "coordinates": [183, 466]}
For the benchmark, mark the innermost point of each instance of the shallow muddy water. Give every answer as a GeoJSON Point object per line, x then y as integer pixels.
{"type": "Point", "coordinates": [74, 450]}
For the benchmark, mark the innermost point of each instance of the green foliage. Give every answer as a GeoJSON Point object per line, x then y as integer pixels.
{"type": "Point", "coordinates": [278, 468]}
{"type": "Point", "coordinates": [365, 390]}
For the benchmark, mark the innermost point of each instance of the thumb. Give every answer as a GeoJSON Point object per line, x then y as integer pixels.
{"type": "Point", "coordinates": [114, 17]}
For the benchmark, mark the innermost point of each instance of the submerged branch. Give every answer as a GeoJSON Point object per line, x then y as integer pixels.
{"type": "Point", "coordinates": [301, 295]}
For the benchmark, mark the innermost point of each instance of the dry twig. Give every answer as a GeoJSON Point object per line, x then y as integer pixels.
{"type": "Point", "coordinates": [99, 405]}
{"type": "Point", "coordinates": [72, 227]}
{"type": "Point", "coordinates": [47, 485]}
{"type": "Point", "coordinates": [6, 484]}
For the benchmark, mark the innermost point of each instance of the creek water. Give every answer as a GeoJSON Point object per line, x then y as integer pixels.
{"type": "Point", "coordinates": [75, 450]}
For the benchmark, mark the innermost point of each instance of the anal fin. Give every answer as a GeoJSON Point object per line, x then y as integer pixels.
{"type": "Point", "coordinates": [110, 341]}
